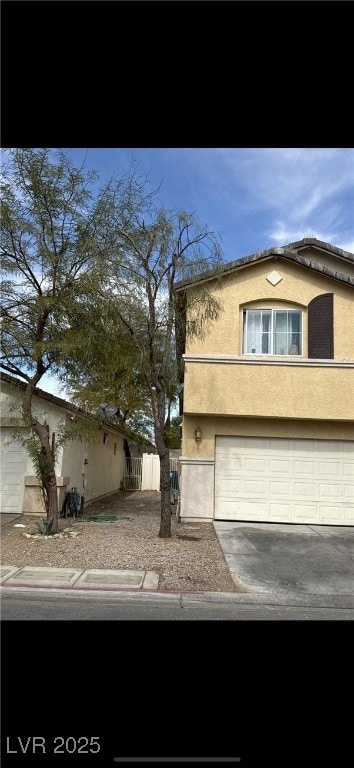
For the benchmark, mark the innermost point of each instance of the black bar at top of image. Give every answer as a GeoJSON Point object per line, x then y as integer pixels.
{"type": "Point", "coordinates": [177, 759]}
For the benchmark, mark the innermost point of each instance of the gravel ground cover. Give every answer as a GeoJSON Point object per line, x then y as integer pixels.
{"type": "Point", "coordinates": [192, 560]}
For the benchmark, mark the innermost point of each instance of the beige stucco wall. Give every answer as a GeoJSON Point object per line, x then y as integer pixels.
{"type": "Point", "coordinates": [303, 392]}
{"type": "Point", "coordinates": [33, 503]}
{"type": "Point", "coordinates": [288, 428]}
{"type": "Point", "coordinates": [260, 396]}
{"type": "Point", "coordinates": [294, 387]}
{"type": "Point", "coordinates": [297, 288]}
{"type": "Point", "coordinates": [104, 469]}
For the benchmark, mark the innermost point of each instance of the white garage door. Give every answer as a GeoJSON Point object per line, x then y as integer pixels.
{"type": "Point", "coordinates": [284, 481]}
{"type": "Point", "coordinates": [13, 470]}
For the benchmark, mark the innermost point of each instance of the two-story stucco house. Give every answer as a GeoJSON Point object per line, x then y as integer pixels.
{"type": "Point", "coordinates": [94, 466]}
{"type": "Point", "coordinates": [268, 403]}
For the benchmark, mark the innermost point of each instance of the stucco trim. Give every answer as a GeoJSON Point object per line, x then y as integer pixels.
{"type": "Point", "coordinates": [202, 460]}
{"type": "Point", "coordinates": [255, 360]}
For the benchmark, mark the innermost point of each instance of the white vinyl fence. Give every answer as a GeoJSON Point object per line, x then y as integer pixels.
{"type": "Point", "coordinates": [144, 474]}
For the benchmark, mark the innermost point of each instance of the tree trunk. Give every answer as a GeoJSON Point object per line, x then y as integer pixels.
{"type": "Point", "coordinates": [53, 502]}
{"type": "Point", "coordinates": [51, 499]}
{"type": "Point", "coordinates": [47, 474]}
{"type": "Point", "coordinates": [165, 525]}
{"type": "Point", "coordinates": [46, 460]}
{"type": "Point", "coordinates": [164, 456]}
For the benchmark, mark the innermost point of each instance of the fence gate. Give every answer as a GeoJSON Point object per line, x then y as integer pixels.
{"type": "Point", "coordinates": [144, 475]}
{"type": "Point", "coordinates": [151, 472]}
{"type": "Point", "coordinates": [132, 474]}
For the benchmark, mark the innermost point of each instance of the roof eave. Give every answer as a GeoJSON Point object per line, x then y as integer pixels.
{"type": "Point", "coordinates": [285, 253]}
{"type": "Point", "coordinates": [64, 404]}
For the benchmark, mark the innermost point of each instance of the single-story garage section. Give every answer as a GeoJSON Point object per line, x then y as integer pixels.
{"type": "Point", "coordinates": [94, 465]}
{"type": "Point", "coordinates": [284, 480]}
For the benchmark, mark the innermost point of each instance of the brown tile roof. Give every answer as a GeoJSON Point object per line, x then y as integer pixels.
{"type": "Point", "coordinates": [289, 252]}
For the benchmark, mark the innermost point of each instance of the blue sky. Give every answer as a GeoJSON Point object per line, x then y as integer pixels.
{"type": "Point", "coordinates": [253, 198]}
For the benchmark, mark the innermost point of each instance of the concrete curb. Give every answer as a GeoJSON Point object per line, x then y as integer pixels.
{"type": "Point", "coordinates": [183, 598]}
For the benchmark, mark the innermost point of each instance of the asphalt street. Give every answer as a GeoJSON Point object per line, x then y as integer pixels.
{"type": "Point", "coordinates": [68, 606]}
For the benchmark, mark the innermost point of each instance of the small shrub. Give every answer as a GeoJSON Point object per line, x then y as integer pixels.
{"type": "Point", "coordinates": [45, 526]}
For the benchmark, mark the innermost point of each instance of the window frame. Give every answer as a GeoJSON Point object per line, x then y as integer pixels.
{"type": "Point", "coordinates": [271, 334]}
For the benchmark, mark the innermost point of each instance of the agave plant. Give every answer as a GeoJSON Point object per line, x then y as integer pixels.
{"type": "Point", "coordinates": [45, 526]}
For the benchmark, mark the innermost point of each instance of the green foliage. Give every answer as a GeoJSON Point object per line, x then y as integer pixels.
{"type": "Point", "coordinates": [88, 280]}
{"type": "Point", "coordinates": [172, 433]}
{"type": "Point", "coordinates": [107, 368]}
{"type": "Point", "coordinates": [41, 462]}
{"type": "Point", "coordinates": [45, 526]}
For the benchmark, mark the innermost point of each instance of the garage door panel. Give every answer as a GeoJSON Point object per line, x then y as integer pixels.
{"type": "Point", "coordinates": [280, 488]}
{"type": "Point", "coordinates": [245, 510]}
{"type": "Point", "coordinates": [13, 470]}
{"type": "Point", "coordinates": [253, 509]}
{"type": "Point", "coordinates": [255, 488]}
{"type": "Point", "coordinates": [252, 465]}
{"type": "Point", "coordinates": [330, 448]}
{"type": "Point", "coordinates": [332, 514]}
{"type": "Point", "coordinates": [281, 512]}
{"type": "Point", "coordinates": [302, 448]}
{"type": "Point", "coordinates": [280, 466]}
{"type": "Point", "coordinates": [302, 481]}
{"type": "Point", "coordinates": [224, 445]}
{"type": "Point", "coordinates": [306, 513]}
{"type": "Point", "coordinates": [226, 486]}
{"type": "Point", "coordinates": [305, 468]}
{"type": "Point", "coordinates": [330, 469]}
{"type": "Point", "coordinates": [331, 491]}
{"type": "Point", "coordinates": [276, 446]}
{"type": "Point", "coordinates": [230, 463]}
{"type": "Point", "coordinates": [259, 444]}
{"type": "Point", "coordinates": [10, 501]}
{"type": "Point", "coordinates": [305, 490]}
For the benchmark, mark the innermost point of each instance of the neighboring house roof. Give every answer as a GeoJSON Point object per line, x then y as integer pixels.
{"type": "Point", "coordinates": [56, 401]}
{"type": "Point", "coordinates": [291, 252]}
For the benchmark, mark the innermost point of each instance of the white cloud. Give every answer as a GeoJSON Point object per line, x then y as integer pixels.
{"type": "Point", "coordinates": [282, 235]}
{"type": "Point", "coordinates": [299, 192]}
{"type": "Point", "coordinates": [295, 179]}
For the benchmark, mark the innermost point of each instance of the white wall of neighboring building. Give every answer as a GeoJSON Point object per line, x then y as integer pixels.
{"type": "Point", "coordinates": [103, 471]}
{"type": "Point", "coordinates": [94, 466]}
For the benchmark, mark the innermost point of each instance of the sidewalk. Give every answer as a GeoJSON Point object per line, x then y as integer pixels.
{"type": "Point", "coordinates": [77, 579]}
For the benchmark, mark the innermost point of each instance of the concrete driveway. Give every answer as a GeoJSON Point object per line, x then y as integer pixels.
{"type": "Point", "coordinates": [291, 561]}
